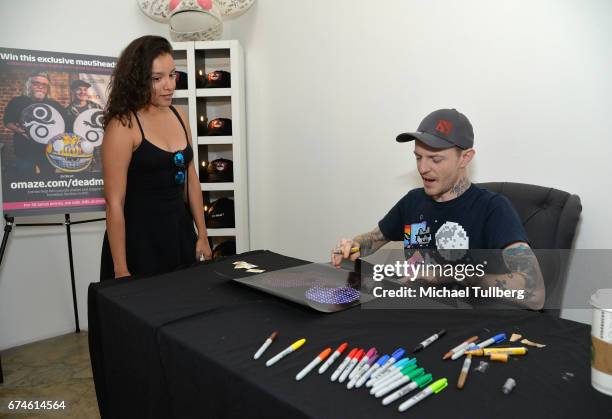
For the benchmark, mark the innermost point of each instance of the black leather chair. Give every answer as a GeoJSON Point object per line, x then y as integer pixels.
{"type": "Point", "coordinates": [550, 217]}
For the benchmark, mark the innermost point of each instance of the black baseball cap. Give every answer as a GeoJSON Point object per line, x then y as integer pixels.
{"type": "Point", "coordinates": [220, 170]}
{"type": "Point", "coordinates": [75, 84]}
{"type": "Point", "coordinates": [220, 214]}
{"type": "Point", "coordinates": [444, 128]}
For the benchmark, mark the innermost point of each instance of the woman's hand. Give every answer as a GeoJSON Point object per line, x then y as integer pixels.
{"type": "Point", "coordinates": [202, 250]}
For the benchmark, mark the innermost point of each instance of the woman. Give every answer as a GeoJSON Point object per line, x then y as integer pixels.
{"type": "Point", "coordinates": [152, 191]}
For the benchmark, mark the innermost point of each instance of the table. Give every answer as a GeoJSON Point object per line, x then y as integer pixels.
{"type": "Point", "coordinates": [180, 345]}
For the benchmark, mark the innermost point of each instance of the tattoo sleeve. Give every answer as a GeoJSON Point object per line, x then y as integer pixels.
{"type": "Point", "coordinates": [370, 242]}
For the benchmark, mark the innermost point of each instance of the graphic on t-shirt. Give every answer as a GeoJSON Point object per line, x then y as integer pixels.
{"type": "Point", "coordinates": [416, 235]}
{"type": "Point", "coordinates": [452, 241]}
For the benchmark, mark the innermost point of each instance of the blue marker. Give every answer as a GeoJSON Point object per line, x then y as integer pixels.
{"type": "Point", "coordinates": [368, 373]}
{"type": "Point", "coordinates": [495, 339]}
{"type": "Point", "coordinates": [395, 357]}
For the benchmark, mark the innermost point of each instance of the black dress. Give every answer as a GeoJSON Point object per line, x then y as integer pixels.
{"type": "Point", "coordinates": [159, 230]}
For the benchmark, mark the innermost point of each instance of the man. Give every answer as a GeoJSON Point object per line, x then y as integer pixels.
{"type": "Point", "coordinates": [79, 101]}
{"type": "Point", "coordinates": [451, 213]}
{"type": "Point", "coordinates": [29, 155]}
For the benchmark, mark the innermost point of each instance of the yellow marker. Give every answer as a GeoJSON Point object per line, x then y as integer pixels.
{"type": "Point", "coordinates": [294, 346]}
{"type": "Point", "coordinates": [489, 351]}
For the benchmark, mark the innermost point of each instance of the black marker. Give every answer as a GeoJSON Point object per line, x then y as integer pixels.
{"type": "Point", "coordinates": [429, 341]}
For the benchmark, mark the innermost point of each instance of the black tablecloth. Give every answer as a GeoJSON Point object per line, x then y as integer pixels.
{"type": "Point", "coordinates": [181, 345]}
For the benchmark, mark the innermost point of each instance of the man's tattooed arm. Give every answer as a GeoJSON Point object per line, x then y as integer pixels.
{"type": "Point", "coordinates": [524, 274]}
{"type": "Point", "coordinates": [370, 242]}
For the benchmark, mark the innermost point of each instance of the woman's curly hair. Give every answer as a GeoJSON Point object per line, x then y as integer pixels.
{"type": "Point", "coordinates": [130, 85]}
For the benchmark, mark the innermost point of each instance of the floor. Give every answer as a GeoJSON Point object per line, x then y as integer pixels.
{"type": "Point", "coordinates": [56, 369]}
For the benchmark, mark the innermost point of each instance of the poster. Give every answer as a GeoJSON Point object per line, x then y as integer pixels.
{"type": "Point", "coordinates": [51, 131]}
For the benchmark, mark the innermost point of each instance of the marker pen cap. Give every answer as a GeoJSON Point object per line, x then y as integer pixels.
{"type": "Point", "coordinates": [297, 344]}
{"type": "Point", "coordinates": [358, 355]}
{"type": "Point", "coordinates": [400, 353]}
{"type": "Point", "coordinates": [372, 359]}
{"type": "Point", "coordinates": [416, 373]}
{"type": "Point", "coordinates": [382, 360]}
{"type": "Point", "coordinates": [499, 338]}
{"type": "Point", "coordinates": [371, 352]}
{"type": "Point", "coordinates": [325, 354]}
{"type": "Point", "coordinates": [352, 353]}
{"type": "Point", "coordinates": [342, 347]}
{"type": "Point", "coordinates": [423, 380]}
{"type": "Point", "coordinates": [439, 385]}
{"type": "Point", "coordinates": [408, 368]}
{"type": "Point", "coordinates": [401, 363]}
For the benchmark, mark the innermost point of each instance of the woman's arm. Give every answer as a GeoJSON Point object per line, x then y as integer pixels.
{"type": "Point", "coordinates": [196, 204]}
{"type": "Point", "coordinates": [116, 155]}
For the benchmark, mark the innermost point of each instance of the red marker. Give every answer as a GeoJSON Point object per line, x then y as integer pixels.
{"type": "Point", "coordinates": [351, 365]}
{"type": "Point", "coordinates": [343, 365]}
{"type": "Point", "coordinates": [332, 358]}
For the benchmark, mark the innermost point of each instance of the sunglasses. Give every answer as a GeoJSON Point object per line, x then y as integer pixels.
{"type": "Point", "coordinates": [179, 162]}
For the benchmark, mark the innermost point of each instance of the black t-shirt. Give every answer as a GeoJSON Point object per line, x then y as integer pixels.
{"type": "Point", "coordinates": [26, 148]}
{"type": "Point", "coordinates": [478, 219]}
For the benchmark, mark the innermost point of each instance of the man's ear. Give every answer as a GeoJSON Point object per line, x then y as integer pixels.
{"type": "Point", "coordinates": [467, 156]}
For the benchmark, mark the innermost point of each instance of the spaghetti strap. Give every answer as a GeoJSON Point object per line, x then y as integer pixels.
{"type": "Point", "coordinates": [181, 121]}
{"type": "Point", "coordinates": [139, 125]}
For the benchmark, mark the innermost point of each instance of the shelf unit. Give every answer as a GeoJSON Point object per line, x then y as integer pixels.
{"type": "Point", "coordinates": [197, 58]}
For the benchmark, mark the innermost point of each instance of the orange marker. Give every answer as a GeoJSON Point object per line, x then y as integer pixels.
{"type": "Point", "coordinates": [313, 364]}
{"type": "Point", "coordinates": [460, 347]}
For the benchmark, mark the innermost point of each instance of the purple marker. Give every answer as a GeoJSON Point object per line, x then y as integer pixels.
{"type": "Point", "coordinates": [363, 361]}
{"type": "Point", "coordinates": [363, 370]}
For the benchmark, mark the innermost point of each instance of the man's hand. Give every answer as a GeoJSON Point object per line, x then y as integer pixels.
{"type": "Point", "coordinates": [345, 249]}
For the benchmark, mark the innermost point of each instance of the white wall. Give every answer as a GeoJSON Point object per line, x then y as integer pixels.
{"type": "Point", "coordinates": [329, 85]}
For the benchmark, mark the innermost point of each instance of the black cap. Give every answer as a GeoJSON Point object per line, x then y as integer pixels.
{"type": "Point", "coordinates": [220, 126]}
{"type": "Point", "coordinates": [220, 170]}
{"type": "Point", "coordinates": [218, 78]}
{"type": "Point", "coordinates": [444, 128]}
{"type": "Point", "coordinates": [75, 84]}
{"type": "Point", "coordinates": [221, 214]}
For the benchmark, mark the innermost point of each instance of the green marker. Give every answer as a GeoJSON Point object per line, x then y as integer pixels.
{"type": "Point", "coordinates": [434, 388]}
{"type": "Point", "coordinates": [419, 382]}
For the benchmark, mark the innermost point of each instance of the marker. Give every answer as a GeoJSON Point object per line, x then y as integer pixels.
{"type": "Point", "coordinates": [332, 358]}
{"type": "Point", "coordinates": [367, 374]}
{"type": "Point", "coordinates": [460, 347]}
{"type": "Point", "coordinates": [434, 388]}
{"type": "Point", "coordinates": [363, 370]}
{"type": "Point", "coordinates": [293, 347]}
{"type": "Point", "coordinates": [464, 371]}
{"type": "Point", "coordinates": [361, 363]}
{"type": "Point", "coordinates": [495, 339]}
{"type": "Point", "coordinates": [410, 376]}
{"type": "Point", "coordinates": [394, 357]}
{"type": "Point", "coordinates": [265, 345]}
{"type": "Point", "coordinates": [350, 366]}
{"type": "Point", "coordinates": [429, 341]}
{"type": "Point", "coordinates": [353, 250]}
{"type": "Point", "coordinates": [489, 351]}
{"type": "Point", "coordinates": [313, 364]}
{"type": "Point", "coordinates": [343, 365]}
{"type": "Point", "coordinates": [419, 382]}
{"type": "Point", "coordinates": [393, 369]}
{"type": "Point", "coordinates": [406, 366]}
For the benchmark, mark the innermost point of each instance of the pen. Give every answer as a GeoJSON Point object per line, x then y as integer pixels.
{"type": "Point", "coordinates": [363, 370]}
{"type": "Point", "coordinates": [419, 382]}
{"type": "Point", "coordinates": [407, 377]}
{"type": "Point", "coordinates": [406, 366]}
{"type": "Point", "coordinates": [350, 366]}
{"type": "Point", "coordinates": [332, 358]}
{"type": "Point", "coordinates": [394, 357]}
{"type": "Point", "coordinates": [429, 341]}
{"type": "Point", "coordinates": [293, 347]}
{"type": "Point", "coordinates": [464, 371]}
{"type": "Point", "coordinates": [393, 369]}
{"type": "Point", "coordinates": [458, 348]}
{"type": "Point", "coordinates": [363, 361]}
{"type": "Point", "coordinates": [367, 374]}
{"type": "Point", "coordinates": [343, 364]}
{"type": "Point", "coordinates": [265, 345]}
{"type": "Point", "coordinates": [313, 364]}
{"type": "Point", "coordinates": [495, 339]}
{"type": "Point", "coordinates": [489, 351]}
{"type": "Point", "coordinates": [434, 388]}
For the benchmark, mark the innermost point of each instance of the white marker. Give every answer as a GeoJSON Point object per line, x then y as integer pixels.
{"type": "Point", "coordinates": [332, 358]}
{"type": "Point", "coordinates": [434, 388]}
{"type": "Point", "coordinates": [394, 371]}
{"type": "Point", "coordinates": [394, 357]}
{"type": "Point", "coordinates": [362, 371]}
{"type": "Point", "coordinates": [368, 373]}
{"type": "Point", "coordinates": [421, 382]}
{"type": "Point", "coordinates": [343, 365]}
{"type": "Point", "coordinates": [361, 363]}
{"type": "Point", "coordinates": [265, 345]}
{"type": "Point", "coordinates": [313, 364]}
{"type": "Point", "coordinates": [294, 346]}
{"type": "Point", "coordinates": [398, 383]}
{"type": "Point", "coordinates": [350, 366]}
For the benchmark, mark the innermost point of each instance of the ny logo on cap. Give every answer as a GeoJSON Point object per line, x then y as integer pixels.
{"type": "Point", "coordinates": [444, 127]}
